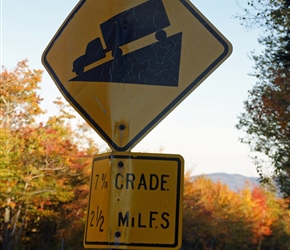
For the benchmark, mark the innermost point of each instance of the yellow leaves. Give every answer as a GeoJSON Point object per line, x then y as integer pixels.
{"type": "Point", "coordinates": [44, 166]}
{"type": "Point", "coordinates": [11, 204]}
{"type": "Point", "coordinates": [18, 99]}
{"type": "Point", "coordinates": [49, 214]}
{"type": "Point", "coordinates": [64, 196]}
{"type": "Point", "coordinates": [212, 211]}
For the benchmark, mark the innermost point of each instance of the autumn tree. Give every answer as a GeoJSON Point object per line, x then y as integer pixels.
{"type": "Point", "coordinates": [44, 168]}
{"type": "Point", "coordinates": [279, 235]}
{"type": "Point", "coordinates": [266, 119]}
{"type": "Point", "coordinates": [213, 217]}
{"type": "Point", "coordinates": [216, 217]}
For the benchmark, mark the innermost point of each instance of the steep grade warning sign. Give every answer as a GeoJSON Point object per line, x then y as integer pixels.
{"type": "Point", "coordinates": [125, 65]}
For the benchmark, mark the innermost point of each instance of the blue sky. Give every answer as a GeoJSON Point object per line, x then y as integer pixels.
{"type": "Point", "coordinates": [202, 128]}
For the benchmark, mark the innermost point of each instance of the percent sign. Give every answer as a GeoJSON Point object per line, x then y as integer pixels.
{"type": "Point", "coordinates": [104, 181]}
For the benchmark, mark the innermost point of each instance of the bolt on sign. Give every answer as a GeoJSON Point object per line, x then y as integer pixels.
{"type": "Point", "coordinates": [135, 201]}
{"type": "Point", "coordinates": [125, 65]}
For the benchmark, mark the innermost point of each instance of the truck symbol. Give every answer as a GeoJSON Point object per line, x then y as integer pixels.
{"type": "Point", "coordinates": [125, 27]}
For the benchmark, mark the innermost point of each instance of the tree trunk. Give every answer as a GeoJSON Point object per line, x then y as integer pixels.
{"type": "Point", "coordinates": [7, 239]}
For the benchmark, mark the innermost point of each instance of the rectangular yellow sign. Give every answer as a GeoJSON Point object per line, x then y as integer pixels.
{"type": "Point", "coordinates": [135, 201]}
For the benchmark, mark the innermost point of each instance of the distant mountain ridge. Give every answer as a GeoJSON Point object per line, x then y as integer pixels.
{"type": "Point", "coordinates": [234, 181]}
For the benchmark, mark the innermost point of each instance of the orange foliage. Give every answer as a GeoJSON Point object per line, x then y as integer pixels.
{"type": "Point", "coordinates": [216, 217]}
{"type": "Point", "coordinates": [44, 167]}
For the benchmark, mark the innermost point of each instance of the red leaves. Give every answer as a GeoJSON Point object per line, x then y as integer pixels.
{"type": "Point", "coordinates": [213, 213]}
{"type": "Point", "coordinates": [44, 166]}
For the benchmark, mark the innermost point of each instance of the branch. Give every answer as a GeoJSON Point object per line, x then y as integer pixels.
{"type": "Point", "coordinates": [41, 191]}
{"type": "Point", "coordinates": [53, 169]}
{"type": "Point", "coordinates": [37, 176]}
{"type": "Point", "coordinates": [16, 220]}
{"type": "Point", "coordinates": [20, 229]}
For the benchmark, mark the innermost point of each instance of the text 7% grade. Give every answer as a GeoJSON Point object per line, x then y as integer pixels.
{"type": "Point", "coordinates": [103, 182]}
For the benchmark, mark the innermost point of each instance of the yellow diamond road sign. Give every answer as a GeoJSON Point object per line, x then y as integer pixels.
{"type": "Point", "coordinates": [135, 201]}
{"type": "Point", "coordinates": [125, 65]}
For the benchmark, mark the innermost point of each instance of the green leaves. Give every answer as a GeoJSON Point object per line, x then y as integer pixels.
{"type": "Point", "coordinates": [43, 166]}
{"type": "Point", "coordinates": [266, 119]}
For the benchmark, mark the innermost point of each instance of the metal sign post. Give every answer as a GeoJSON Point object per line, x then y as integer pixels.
{"type": "Point", "coordinates": [124, 66]}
